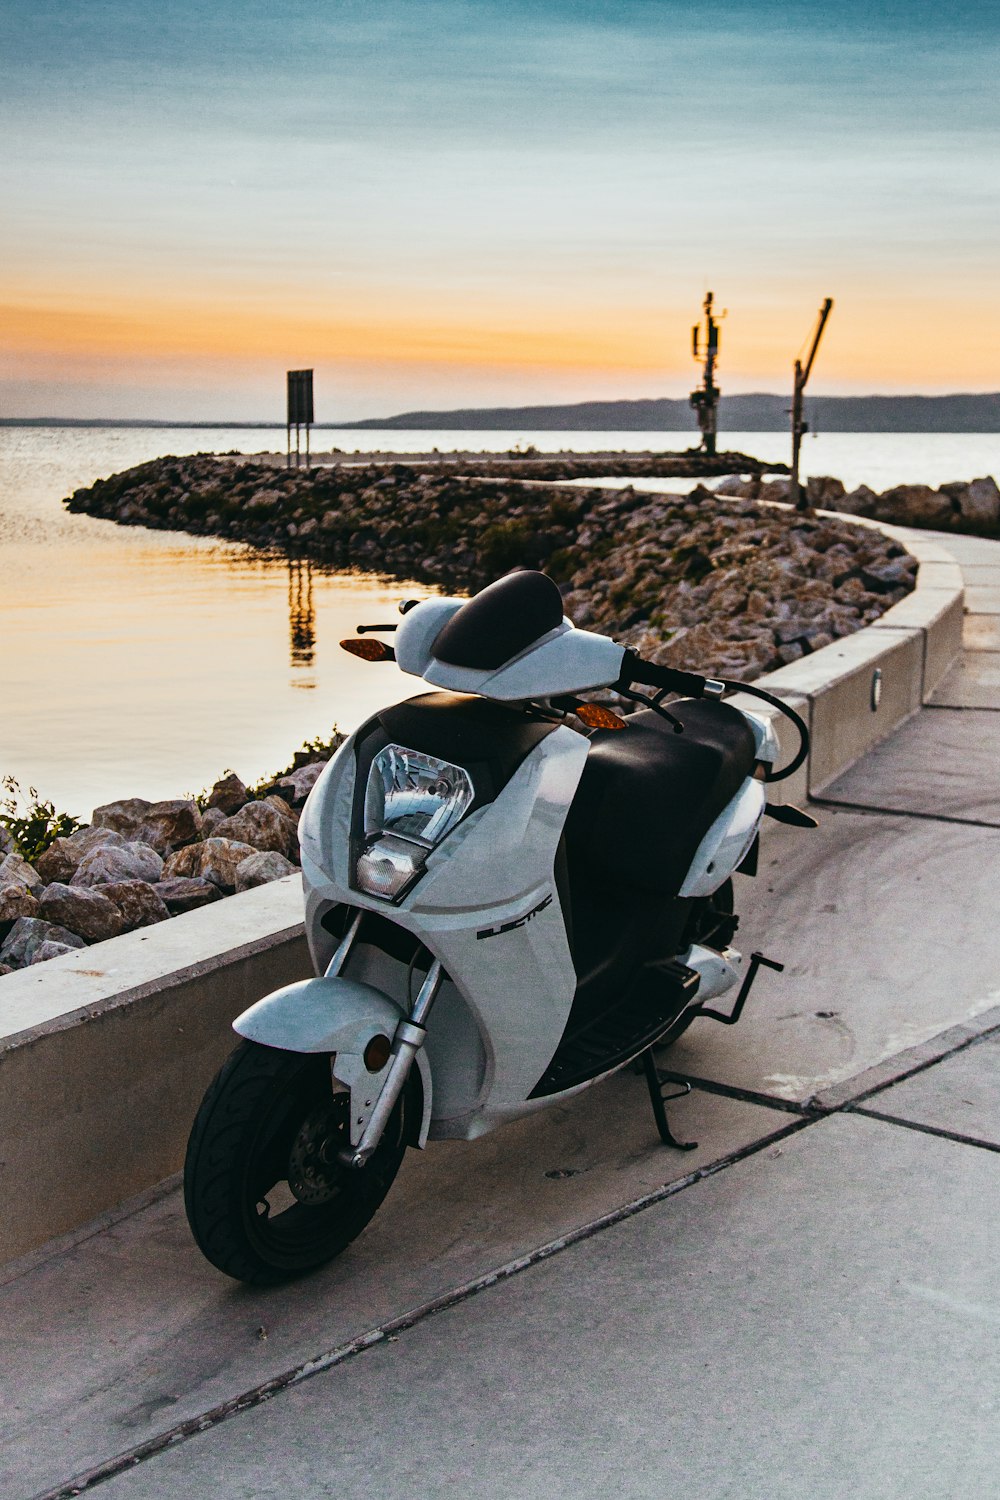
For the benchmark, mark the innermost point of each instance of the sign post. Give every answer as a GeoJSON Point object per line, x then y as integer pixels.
{"type": "Point", "coordinates": [300, 412]}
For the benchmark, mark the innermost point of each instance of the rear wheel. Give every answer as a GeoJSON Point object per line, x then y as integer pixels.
{"type": "Point", "coordinates": [266, 1197]}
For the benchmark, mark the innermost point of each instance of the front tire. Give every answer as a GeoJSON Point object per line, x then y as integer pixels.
{"type": "Point", "coordinates": [266, 1198]}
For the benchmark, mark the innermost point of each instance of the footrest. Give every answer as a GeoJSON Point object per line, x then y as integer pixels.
{"type": "Point", "coordinates": [661, 993]}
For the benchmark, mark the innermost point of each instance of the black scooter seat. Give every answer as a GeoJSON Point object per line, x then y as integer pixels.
{"type": "Point", "coordinates": [648, 795]}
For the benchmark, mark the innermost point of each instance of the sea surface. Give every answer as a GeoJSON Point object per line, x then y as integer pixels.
{"type": "Point", "coordinates": [145, 663]}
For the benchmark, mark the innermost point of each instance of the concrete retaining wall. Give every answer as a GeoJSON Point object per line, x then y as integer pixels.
{"type": "Point", "coordinates": [107, 1051]}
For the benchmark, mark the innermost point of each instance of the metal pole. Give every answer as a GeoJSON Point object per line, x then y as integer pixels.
{"type": "Point", "coordinates": [705, 398]}
{"type": "Point", "coordinates": [795, 495]}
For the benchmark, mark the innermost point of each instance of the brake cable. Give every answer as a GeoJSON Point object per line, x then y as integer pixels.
{"type": "Point", "coordinates": [671, 679]}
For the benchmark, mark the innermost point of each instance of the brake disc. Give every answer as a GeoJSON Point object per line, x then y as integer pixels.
{"type": "Point", "coordinates": [314, 1174]}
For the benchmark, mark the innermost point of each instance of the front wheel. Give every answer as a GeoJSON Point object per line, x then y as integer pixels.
{"type": "Point", "coordinates": [266, 1196]}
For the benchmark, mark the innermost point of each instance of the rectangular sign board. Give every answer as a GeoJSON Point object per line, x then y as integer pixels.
{"type": "Point", "coordinates": [300, 397]}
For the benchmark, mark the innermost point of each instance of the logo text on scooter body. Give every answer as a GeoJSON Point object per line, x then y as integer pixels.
{"type": "Point", "coordinates": [488, 932]}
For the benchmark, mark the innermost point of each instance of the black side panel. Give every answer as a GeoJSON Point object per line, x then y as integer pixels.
{"type": "Point", "coordinates": [648, 796]}
{"type": "Point", "coordinates": [501, 621]}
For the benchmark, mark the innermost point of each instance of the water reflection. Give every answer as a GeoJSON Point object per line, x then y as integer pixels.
{"type": "Point", "coordinates": [301, 619]}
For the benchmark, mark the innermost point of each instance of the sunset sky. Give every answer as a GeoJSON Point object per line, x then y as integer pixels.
{"type": "Point", "coordinates": [440, 203]}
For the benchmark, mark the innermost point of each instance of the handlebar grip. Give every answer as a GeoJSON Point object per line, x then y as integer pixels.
{"type": "Point", "coordinates": [647, 673]}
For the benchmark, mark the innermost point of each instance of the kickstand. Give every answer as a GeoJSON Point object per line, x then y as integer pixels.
{"type": "Point", "coordinates": [657, 1100]}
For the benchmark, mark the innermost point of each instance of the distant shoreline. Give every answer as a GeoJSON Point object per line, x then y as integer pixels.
{"type": "Point", "coordinates": [960, 413]}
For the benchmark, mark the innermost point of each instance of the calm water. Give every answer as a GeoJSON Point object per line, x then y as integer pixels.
{"type": "Point", "coordinates": [144, 663]}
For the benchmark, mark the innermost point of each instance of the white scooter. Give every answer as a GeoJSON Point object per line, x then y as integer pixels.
{"type": "Point", "coordinates": [502, 909]}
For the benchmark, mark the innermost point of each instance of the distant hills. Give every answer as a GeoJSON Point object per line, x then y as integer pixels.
{"type": "Point", "coordinates": [753, 413]}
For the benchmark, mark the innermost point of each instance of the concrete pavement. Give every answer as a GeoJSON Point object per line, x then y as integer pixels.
{"type": "Point", "coordinates": [806, 1304]}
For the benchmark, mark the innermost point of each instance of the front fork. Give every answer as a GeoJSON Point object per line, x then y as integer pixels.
{"type": "Point", "coordinates": [408, 1038]}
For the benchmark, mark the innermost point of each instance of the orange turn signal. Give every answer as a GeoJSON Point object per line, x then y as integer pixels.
{"type": "Point", "coordinates": [369, 650]}
{"type": "Point", "coordinates": [596, 717]}
{"type": "Point", "coordinates": [377, 1053]}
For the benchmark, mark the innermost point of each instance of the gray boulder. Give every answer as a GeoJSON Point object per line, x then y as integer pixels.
{"type": "Point", "coordinates": [291, 816]}
{"type": "Point", "coordinates": [217, 860]}
{"type": "Point", "coordinates": [735, 485]}
{"type": "Point", "coordinates": [6, 842]}
{"type": "Point", "coordinates": [137, 901]}
{"type": "Point", "coordinates": [170, 825]}
{"type": "Point", "coordinates": [210, 820]}
{"type": "Point", "coordinates": [16, 871]}
{"type": "Point", "coordinates": [123, 817]}
{"type": "Point", "coordinates": [107, 863]}
{"type": "Point", "coordinates": [261, 869]}
{"type": "Point", "coordinates": [180, 893]}
{"type": "Point", "coordinates": [49, 949]}
{"type": "Point", "coordinates": [60, 861]}
{"type": "Point", "coordinates": [86, 839]}
{"type": "Point", "coordinates": [981, 502]}
{"type": "Point", "coordinates": [859, 502]}
{"type": "Point", "coordinates": [86, 912]}
{"type": "Point", "coordinates": [824, 492]}
{"type": "Point", "coordinates": [296, 786]}
{"type": "Point", "coordinates": [26, 937]}
{"type": "Point", "coordinates": [916, 504]}
{"type": "Point", "coordinates": [264, 500]}
{"type": "Point", "coordinates": [5, 969]}
{"type": "Point", "coordinates": [16, 901]}
{"type": "Point", "coordinates": [260, 825]}
{"type": "Point", "coordinates": [228, 795]}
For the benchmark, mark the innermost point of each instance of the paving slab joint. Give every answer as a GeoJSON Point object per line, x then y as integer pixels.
{"type": "Point", "coordinates": [906, 1064]}
{"type": "Point", "coordinates": [957, 1136]}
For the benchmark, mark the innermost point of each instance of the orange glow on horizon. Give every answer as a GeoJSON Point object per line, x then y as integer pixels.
{"type": "Point", "coordinates": [868, 345]}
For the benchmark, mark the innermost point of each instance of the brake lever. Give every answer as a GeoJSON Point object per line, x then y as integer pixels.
{"type": "Point", "coordinates": [655, 705]}
{"type": "Point", "coordinates": [364, 629]}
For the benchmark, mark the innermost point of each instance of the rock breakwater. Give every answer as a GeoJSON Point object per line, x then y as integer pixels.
{"type": "Point", "coordinates": [730, 587]}
{"type": "Point", "coordinates": [962, 505]}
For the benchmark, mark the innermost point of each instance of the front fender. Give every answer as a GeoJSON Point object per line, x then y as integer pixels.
{"type": "Point", "coordinates": [339, 1016]}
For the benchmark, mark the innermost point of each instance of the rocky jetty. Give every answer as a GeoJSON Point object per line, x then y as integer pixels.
{"type": "Point", "coordinates": [963, 505]}
{"type": "Point", "coordinates": [730, 587]}
{"type": "Point", "coordinates": [137, 863]}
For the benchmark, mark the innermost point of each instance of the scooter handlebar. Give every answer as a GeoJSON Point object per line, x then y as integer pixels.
{"type": "Point", "coordinates": [649, 674]}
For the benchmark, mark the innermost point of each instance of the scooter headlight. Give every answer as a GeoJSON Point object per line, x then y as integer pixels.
{"type": "Point", "coordinates": [412, 801]}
